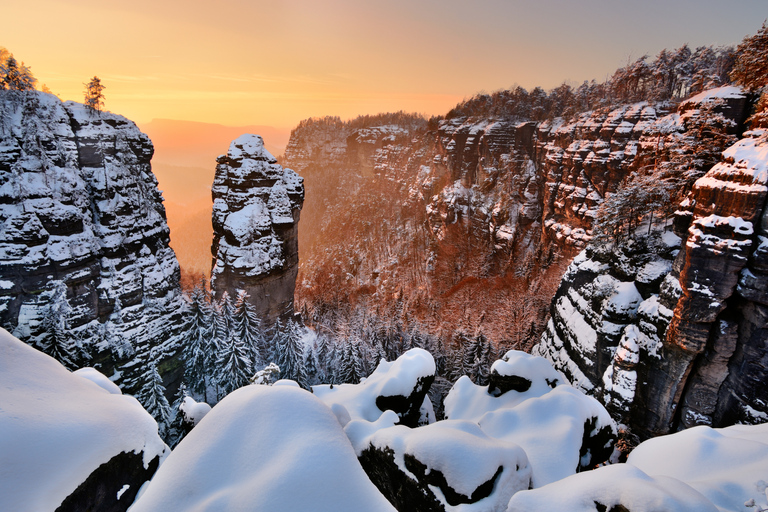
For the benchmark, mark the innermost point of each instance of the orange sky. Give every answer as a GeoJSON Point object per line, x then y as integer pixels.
{"type": "Point", "coordinates": [253, 62]}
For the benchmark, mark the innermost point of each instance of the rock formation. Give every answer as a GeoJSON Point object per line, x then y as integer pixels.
{"type": "Point", "coordinates": [86, 272]}
{"type": "Point", "coordinates": [670, 331]}
{"type": "Point", "coordinates": [256, 207]}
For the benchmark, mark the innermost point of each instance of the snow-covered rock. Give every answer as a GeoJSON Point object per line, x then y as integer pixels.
{"type": "Point", "coordinates": [449, 465]}
{"type": "Point", "coordinates": [400, 386]}
{"type": "Point", "coordinates": [560, 428]}
{"type": "Point", "coordinates": [83, 238]}
{"type": "Point", "coordinates": [264, 448]}
{"type": "Point", "coordinates": [67, 441]}
{"type": "Point", "coordinates": [256, 207]}
{"type": "Point", "coordinates": [698, 469]}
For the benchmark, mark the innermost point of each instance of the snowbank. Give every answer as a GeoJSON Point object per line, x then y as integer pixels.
{"type": "Point", "coordinates": [264, 448]}
{"type": "Point", "coordinates": [56, 428]}
{"type": "Point", "coordinates": [727, 465]}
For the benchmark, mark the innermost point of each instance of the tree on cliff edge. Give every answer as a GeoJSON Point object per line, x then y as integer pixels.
{"type": "Point", "coordinates": [94, 94]}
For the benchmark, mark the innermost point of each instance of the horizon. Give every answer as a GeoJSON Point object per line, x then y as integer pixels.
{"type": "Point", "coordinates": [258, 64]}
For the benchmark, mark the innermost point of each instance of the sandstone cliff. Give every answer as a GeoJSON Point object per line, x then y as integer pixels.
{"type": "Point", "coordinates": [256, 207]}
{"type": "Point", "coordinates": [86, 273]}
{"type": "Point", "coordinates": [670, 330]}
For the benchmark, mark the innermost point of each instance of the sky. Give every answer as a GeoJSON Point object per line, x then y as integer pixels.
{"type": "Point", "coordinates": [273, 63]}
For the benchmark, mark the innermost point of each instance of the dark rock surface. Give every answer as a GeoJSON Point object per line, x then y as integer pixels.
{"type": "Point", "coordinates": [256, 207]}
{"type": "Point", "coordinates": [99, 493]}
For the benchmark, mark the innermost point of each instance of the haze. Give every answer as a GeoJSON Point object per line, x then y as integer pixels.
{"type": "Point", "coordinates": [248, 62]}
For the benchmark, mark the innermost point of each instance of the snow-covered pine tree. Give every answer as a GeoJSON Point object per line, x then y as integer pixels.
{"type": "Point", "coordinates": [248, 327]}
{"type": "Point", "coordinates": [152, 392]}
{"type": "Point", "coordinates": [197, 333]}
{"type": "Point", "coordinates": [234, 364]}
{"type": "Point", "coordinates": [311, 368]}
{"type": "Point", "coordinates": [291, 355]}
{"type": "Point", "coordinates": [350, 370]}
{"type": "Point", "coordinates": [56, 340]}
{"type": "Point", "coordinates": [276, 342]}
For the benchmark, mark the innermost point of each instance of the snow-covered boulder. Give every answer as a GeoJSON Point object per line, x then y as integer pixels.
{"type": "Point", "coordinates": [448, 465]}
{"type": "Point", "coordinates": [264, 448]}
{"type": "Point", "coordinates": [561, 429]}
{"type": "Point", "coordinates": [700, 469]}
{"type": "Point", "coordinates": [400, 386]}
{"type": "Point", "coordinates": [65, 440]}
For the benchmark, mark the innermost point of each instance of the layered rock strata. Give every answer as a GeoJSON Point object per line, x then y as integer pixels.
{"type": "Point", "coordinates": [671, 332]}
{"type": "Point", "coordinates": [84, 242]}
{"type": "Point", "coordinates": [256, 207]}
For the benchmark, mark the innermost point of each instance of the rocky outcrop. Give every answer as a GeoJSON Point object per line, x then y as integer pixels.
{"type": "Point", "coordinates": [86, 272]}
{"type": "Point", "coordinates": [670, 332]}
{"type": "Point", "coordinates": [256, 207]}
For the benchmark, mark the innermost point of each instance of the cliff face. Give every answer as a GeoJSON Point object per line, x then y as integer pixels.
{"type": "Point", "coordinates": [84, 245]}
{"type": "Point", "coordinates": [670, 331]}
{"type": "Point", "coordinates": [476, 218]}
{"type": "Point", "coordinates": [256, 207]}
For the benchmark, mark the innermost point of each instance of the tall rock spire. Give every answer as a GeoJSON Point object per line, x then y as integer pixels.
{"type": "Point", "coordinates": [256, 207]}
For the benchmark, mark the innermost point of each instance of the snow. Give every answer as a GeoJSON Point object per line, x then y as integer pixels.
{"type": "Point", "coordinates": [250, 146]}
{"type": "Point", "coordinates": [98, 378]}
{"type": "Point", "coordinates": [193, 411]}
{"type": "Point", "coordinates": [264, 448]}
{"type": "Point", "coordinates": [610, 486]}
{"type": "Point", "coordinates": [550, 429]}
{"type": "Point", "coordinates": [726, 465]}
{"type": "Point", "coordinates": [464, 454]}
{"type": "Point", "coordinates": [56, 428]}
{"type": "Point", "coordinates": [726, 92]}
{"type": "Point", "coordinates": [547, 423]}
{"type": "Point", "coordinates": [398, 378]}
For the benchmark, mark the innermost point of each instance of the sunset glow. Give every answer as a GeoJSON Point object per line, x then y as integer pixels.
{"type": "Point", "coordinates": [275, 63]}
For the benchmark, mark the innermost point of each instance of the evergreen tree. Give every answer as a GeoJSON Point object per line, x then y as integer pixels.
{"type": "Point", "coordinates": [291, 356]}
{"type": "Point", "coordinates": [152, 393]}
{"type": "Point", "coordinates": [248, 328]}
{"type": "Point", "coordinates": [197, 332]}
{"type": "Point", "coordinates": [15, 76]}
{"type": "Point", "coordinates": [350, 370]}
{"type": "Point", "coordinates": [311, 367]}
{"type": "Point", "coordinates": [56, 340]}
{"type": "Point", "coordinates": [234, 364]}
{"type": "Point", "coordinates": [751, 67]}
{"type": "Point", "coordinates": [94, 94]}
{"type": "Point", "coordinates": [276, 342]}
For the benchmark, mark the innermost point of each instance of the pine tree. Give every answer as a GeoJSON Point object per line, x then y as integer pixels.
{"type": "Point", "coordinates": [314, 375]}
{"type": "Point", "coordinates": [350, 370]}
{"type": "Point", "coordinates": [276, 342]}
{"type": "Point", "coordinates": [94, 94]}
{"type": "Point", "coordinates": [248, 327]}
{"type": "Point", "coordinates": [152, 393]}
{"type": "Point", "coordinates": [751, 67]}
{"type": "Point", "coordinates": [291, 356]}
{"type": "Point", "coordinates": [15, 76]}
{"type": "Point", "coordinates": [197, 332]}
{"type": "Point", "coordinates": [56, 341]}
{"type": "Point", "coordinates": [233, 364]}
